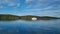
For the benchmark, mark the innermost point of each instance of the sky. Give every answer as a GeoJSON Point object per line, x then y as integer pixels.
{"type": "Point", "coordinates": [30, 7]}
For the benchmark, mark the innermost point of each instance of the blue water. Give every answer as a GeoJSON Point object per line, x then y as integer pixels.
{"type": "Point", "coordinates": [30, 27]}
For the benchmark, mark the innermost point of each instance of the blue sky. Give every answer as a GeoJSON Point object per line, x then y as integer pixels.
{"type": "Point", "coordinates": [30, 7]}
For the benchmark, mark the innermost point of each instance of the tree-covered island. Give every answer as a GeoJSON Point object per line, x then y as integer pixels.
{"type": "Point", "coordinates": [27, 17]}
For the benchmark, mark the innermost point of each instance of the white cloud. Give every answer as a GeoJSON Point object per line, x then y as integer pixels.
{"type": "Point", "coordinates": [28, 1]}
{"type": "Point", "coordinates": [38, 1]}
{"type": "Point", "coordinates": [39, 9]}
{"type": "Point", "coordinates": [10, 2]}
{"type": "Point", "coordinates": [42, 13]}
{"type": "Point", "coordinates": [35, 3]}
{"type": "Point", "coordinates": [1, 6]}
{"type": "Point", "coordinates": [18, 4]}
{"type": "Point", "coordinates": [49, 5]}
{"type": "Point", "coordinates": [41, 3]}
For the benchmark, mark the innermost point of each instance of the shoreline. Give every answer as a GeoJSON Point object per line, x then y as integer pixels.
{"type": "Point", "coordinates": [26, 17]}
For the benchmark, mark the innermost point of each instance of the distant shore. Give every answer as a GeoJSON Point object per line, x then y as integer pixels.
{"type": "Point", "coordinates": [27, 17]}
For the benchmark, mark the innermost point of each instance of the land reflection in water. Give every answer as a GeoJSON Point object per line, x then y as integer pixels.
{"type": "Point", "coordinates": [30, 27]}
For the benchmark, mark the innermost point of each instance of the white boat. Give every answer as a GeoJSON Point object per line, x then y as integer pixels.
{"type": "Point", "coordinates": [34, 18]}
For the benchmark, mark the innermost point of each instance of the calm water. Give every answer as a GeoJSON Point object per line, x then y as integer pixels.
{"type": "Point", "coordinates": [30, 27]}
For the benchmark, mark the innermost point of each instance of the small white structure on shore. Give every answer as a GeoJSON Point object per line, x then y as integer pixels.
{"type": "Point", "coordinates": [34, 18]}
